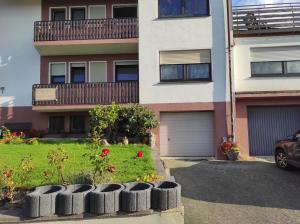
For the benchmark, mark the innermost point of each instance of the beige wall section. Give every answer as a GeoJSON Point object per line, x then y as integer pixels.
{"type": "Point", "coordinates": [182, 34]}
{"type": "Point", "coordinates": [242, 64]}
{"type": "Point", "coordinates": [19, 61]}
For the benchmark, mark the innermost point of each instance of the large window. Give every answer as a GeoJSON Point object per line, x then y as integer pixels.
{"type": "Point", "coordinates": [183, 8]}
{"type": "Point", "coordinates": [58, 14]}
{"type": "Point", "coordinates": [77, 124]}
{"type": "Point", "coordinates": [56, 124]}
{"type": "Point", "coordinates": [275, 68]}
{"type": "Point", "coordinates": [78, 13]}
{"type": "Point", "coordinates": [126, 72]}
{"type": "Point", "coordinates": [185, 66]}
{"type": "Point", "coordinates": [57, 73]}
{"type": "Point", "coordinates": [125, 11]}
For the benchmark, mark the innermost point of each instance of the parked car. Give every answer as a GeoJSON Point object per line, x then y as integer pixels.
{"type": "Point", "coordinates": [287, 153]}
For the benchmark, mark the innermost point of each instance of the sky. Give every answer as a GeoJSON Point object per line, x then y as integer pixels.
{"type": "Point", "coordinates": [254, 2]}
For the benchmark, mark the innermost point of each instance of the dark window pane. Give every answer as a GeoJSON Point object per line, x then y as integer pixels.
{"type": "Point", "coordinates": [77, 74]}
{"type": "Point", "coordinates": [170, 8]}
{"type": "Point", "coordinates": [58, 14]}
{"type": "Point", "coordinates": [127, 72]}
{"type": "Point", "coordinates": [77, 124]}
{"type": "Point", "coordinates": [293, 67]}
{"type": "Point", "coordinates": [56, 124]}
{"type": "Point", "coordinates": [58, 79]}
{"type": "Point", "coordinates": [198, 71]}
{"type": "Point", "coordinates": [266, 68]}
{"type": "Point", "coordinates": [196, 7]}
{"type": "Point", "coordinates": [125, 12]}
{"type": "Point", "coordinates": [171, 72]}
{"type": "Point", "coordinates": [78, 14]}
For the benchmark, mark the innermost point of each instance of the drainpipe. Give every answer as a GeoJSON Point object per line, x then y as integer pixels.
{"type": "Point", "coordinates": [229, 39]}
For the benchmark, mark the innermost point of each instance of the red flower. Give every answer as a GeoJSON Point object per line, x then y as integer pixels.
{"type": "Point", "coordinates": [102, 155]}
{"type": "Point", "coordinates": [226, 146]}
{"type": "Point", "coordinates": [139, 154]}
{"type": "Point", "coordinates": [14, 134]}
{"type": "Point", "coordinates": [112, 169]}
{"type": "Point", "coordinates": [7, 173]}
{"type": "Point", "coordinates": [105, 151]}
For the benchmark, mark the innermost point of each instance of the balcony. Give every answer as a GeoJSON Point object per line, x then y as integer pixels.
{"type": "Point", "coordinates": [82, 96]}
{"type": "Point", "coordinates": [269, 19]}
{"type": "Point", "coordinates": [75, 37]}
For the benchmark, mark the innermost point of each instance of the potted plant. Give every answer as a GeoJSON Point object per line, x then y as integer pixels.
{"type": "Point", "coordinates": [231, 150]}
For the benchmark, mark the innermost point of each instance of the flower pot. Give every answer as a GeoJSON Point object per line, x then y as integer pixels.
{"type": "Point", "coordinates": [166, 195]}
{"type": "Point", "coordinates": [105, 199]}
{"type": "Point", "coordinates": [232, 156]}
{"type": "Point", "coordinates": [42, 201]}
{"type": "Point", "coordinates": [75, 200]}
{"type": "Point", "coordinates": [136, 197]}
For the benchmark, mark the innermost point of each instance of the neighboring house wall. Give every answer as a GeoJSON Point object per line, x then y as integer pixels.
{"type": "Point", "coordinates": [242, 63]}
{"type": "Point", "coordinates": [182, 34]}
{"type": "Point", "coordinates": [19, 73]}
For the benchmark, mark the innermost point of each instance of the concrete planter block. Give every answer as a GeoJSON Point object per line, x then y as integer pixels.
{"type": "Point", "coordinates": [75, 200]}
{"type": "Point", "coordinates": [136, 197]}
{"type": "Point", "coordinates": [166, 195]}
{"type": "Point", "coordinates": [42, 201]}
{"type": "Point", "coordinates": [105, 199]}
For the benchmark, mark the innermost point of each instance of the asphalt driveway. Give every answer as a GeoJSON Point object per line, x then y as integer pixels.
{"type": "Point", "coordinates": [242, 192]}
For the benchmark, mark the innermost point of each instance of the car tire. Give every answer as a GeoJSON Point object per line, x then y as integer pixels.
{"type": "Point", "coordinates": [281, 159]}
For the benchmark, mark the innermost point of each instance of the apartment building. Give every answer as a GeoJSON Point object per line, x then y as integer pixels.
{"type": "Point", "coordinates": [266, 60]}
{"type": "Point", "coordinates": [61, 58]}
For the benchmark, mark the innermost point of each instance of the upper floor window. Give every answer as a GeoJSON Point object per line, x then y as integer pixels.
{"type": "Point", "coordinates": [185, 66]}
{"type": "Point", "coordinates": [57, 73]}
{"type": "Point", "coordinates": [275, 68]}
{"type": "Point", "coordinates": [125, 11]}
{"type": "Point", "coordinates": [78, 13]}
{"type": "Point", "coordinates": [58, 14]}
{"type": "Point", "coordinates": [77, 72]}
{"type": "Point", "coordinates": [126, 71]}
{"type": "Point", "coordinates": [183, 8]}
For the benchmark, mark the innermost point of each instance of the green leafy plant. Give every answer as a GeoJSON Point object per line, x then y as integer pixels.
{"type": "Point", "coordinates": [26, 168]}
{"type": "Point", "coordinates": [57, 159]}
{"type": "Point", "coordinates": [149, 178]}
{"type": "Point", "coordinates": [32, 141]}
{"type": "Point", "coordinates": [100, 160]}
{"type": "Point", "coordinates": [9, 183]}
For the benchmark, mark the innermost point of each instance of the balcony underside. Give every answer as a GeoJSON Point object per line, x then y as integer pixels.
{"type": "Point", "coordinates": [85, 47]}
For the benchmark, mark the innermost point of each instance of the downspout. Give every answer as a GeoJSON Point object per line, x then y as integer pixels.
{"type": "Point", "coordinates": [229, 39]}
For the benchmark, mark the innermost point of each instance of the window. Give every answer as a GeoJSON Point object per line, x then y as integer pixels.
{"type": "Point", "coordinates": [275, 68]}
{"type": "Point", "coordinates": [125, 11]}
{"type": "Point", "coordinates": [78, 72]}
{"type": "Point", "coordinates": [183, 8]}
{"type": "Point", "coordinates": [77, 13]}
{"type": "Point", "coordinates": [185, 66]}
{"type": "Point", "coordinates": [58, 14]}
{"type": "Point", "coordinates": [57, 73]}
{"type": "Point", "coordinates": [77, 124]}
{"type": "Point", "coordinates": [126, 72]}
{"type": "Point", "coordinates": [56, 124]}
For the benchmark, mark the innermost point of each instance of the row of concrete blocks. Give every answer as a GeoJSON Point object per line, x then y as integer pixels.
{"type": "Point", "coordinates": [103, 199]}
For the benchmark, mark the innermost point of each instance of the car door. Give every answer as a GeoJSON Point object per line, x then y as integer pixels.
{"type": "Point", "coordinates": [296, 152]}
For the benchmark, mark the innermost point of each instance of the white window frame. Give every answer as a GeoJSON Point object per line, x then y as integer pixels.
{"type": "Point", "coordinates": [90, 69]}
{"type": "Point", "coordinates": [57, 7]}
{"type": "Point", "coordinates": [89, 8]}
{"type": "Point", "coordinates": [78, 62]}
{"type": "Point", "coordinates": [124, 62]}
{"type": "Point", "coordinates": [49, 71]}
{"type": "Point", "coordinates": [78, 6]}
{"type": "Point", "coordinates": [124, 5]}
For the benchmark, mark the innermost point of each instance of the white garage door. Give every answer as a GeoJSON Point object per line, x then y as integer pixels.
{"type": "Point", "coordinates": [186, 134]}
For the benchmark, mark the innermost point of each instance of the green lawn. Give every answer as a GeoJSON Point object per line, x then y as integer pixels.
{"type": "Point", "coordinates": [127, 167]}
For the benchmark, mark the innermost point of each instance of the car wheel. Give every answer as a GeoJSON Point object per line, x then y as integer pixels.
{"type": "Point", "coordinates": [281, 160]}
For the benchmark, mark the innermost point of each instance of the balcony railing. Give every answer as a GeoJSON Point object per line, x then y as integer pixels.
{"type": "Point", "coordinates": [266, 19]}
{"type": "Point", "coordinates": [85, 94]}
{"type": "Point", "coordinates": [91, 29]}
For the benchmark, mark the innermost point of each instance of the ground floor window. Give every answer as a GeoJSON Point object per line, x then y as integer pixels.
{"type": "Point", "coordinates": [56, 124]}
{"type": "Point", "coordinates": [77, 124]}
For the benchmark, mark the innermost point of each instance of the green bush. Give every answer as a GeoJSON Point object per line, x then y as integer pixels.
{"type": "Point", "coordinates": [111, 121]}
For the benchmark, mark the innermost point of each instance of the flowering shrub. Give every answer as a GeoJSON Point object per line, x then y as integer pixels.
{"type": "Point", "coordinates": [26, 169]}
{"type": "Point", "coordinates": [12, 138]}
{"type": "Point", "coordinates": [33, 133]}
{"type": "Point", "coordinates": [9, 182]}
{"type": "Point", "coordinates": [100, 160]}
{"type": "Point", "coordinates": [57, 159]}
{"type": "Point", "coordinates": [231, 150]}
{"type": "Point", "coordinates": [139, 154]}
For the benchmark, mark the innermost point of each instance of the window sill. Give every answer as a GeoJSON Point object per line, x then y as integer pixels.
{"type": "Point", "coordinates": [183, 82]}
{"type": "Point", "coordinates": [276, 76]}
{"type": "Point", "coordinates": [181, 17]}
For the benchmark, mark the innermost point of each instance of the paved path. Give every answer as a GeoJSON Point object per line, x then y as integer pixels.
{"type": "Point", "coordinates": [242, 192]}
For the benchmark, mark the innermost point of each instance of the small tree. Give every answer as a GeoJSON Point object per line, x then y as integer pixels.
{"type": "Point", "coordinates": [57, 159]}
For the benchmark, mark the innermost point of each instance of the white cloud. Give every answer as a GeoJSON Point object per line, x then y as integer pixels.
{"type": "Point", "coordinates": [255, 2]}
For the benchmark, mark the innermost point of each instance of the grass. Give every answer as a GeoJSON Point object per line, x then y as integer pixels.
{"type": "Point", "coordinates": [123, 157]}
